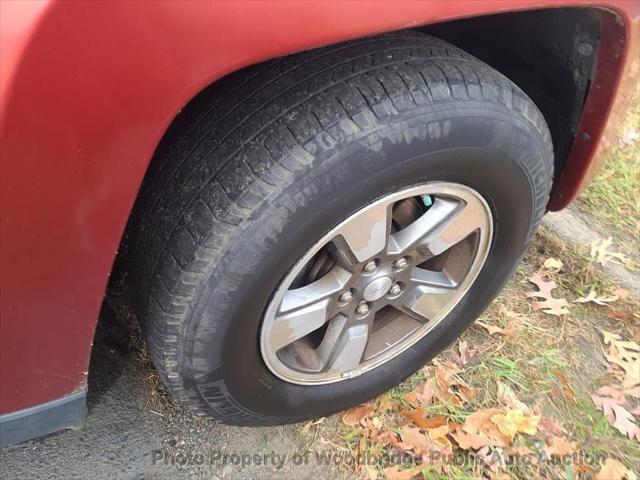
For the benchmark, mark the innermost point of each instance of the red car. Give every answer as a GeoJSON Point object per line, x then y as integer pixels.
{"type": "Point", "coordinates": [310, 199]}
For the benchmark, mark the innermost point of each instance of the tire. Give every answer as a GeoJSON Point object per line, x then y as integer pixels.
{"type": "Point", "coordinates": [261, 165]}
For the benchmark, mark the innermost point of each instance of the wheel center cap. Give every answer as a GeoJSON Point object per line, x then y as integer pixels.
{"type": "Point", "coordinates": [377, 289]}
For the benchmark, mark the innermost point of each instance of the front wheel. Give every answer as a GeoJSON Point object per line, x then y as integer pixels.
{"type": "Point", "coordinates": [323, 225]}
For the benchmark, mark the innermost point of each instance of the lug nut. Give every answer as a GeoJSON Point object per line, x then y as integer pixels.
{"type": "Point", "coordinates": [370, 267]}
{"type": "Point", "coordinates": [346, 297]}
{"type": "Point", "coordinates": [401, 263]}
{"type": "Point", "coordinates": [362, 309]}
{"type": "Point", "coordinates": [395, 289]}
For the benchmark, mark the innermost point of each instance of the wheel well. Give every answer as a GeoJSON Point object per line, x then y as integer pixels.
{"type": "Point", "coordinates": [550, 54]}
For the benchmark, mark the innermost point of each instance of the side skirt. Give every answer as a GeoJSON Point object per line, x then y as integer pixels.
{"type": "Point", "coordinates": [65, 412]}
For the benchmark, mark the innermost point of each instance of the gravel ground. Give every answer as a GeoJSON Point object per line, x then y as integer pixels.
{"type": "Point", "coordinates": [127, 437]}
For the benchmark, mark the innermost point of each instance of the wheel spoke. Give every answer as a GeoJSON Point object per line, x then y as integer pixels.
{"type": "Point", "coordinates": [364, 235]}
{"type": "Point", "coordinates": [349, 349]}
{"type": "Point", "coordinates": [426, 302]}
{"type": "Point", "coordinates": [428, 278]}
{"type": "Point", "coordinates": [465, 221]}
{"type": "Point", "coordinates": [306, 309]}
{"type": "Point", "coordinates": [444, 225]}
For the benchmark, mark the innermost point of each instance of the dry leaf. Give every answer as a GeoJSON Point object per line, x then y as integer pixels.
{"type": "Point", "coordinates": [592, 296]}
{"type": "Point", "coordinates": [600, 252]}
{"type": "Point", "coordinates": [629, 136]}
{"type": "Point", "coordinates": [490, 457]}
{"type": "Point", "coordinates": [613, 469]}
{"type": "Point", "coordinates": [418, 417]}
{"type": "Point", "coordinates": [513, 421]}
{"type": "Point", "coordinates": [508, 397]}
{"type": "Point", "coordinates": [559, 446]}
{"type": "Point", "coordinates": [553, 264]}
{"type": "Point", "coordinates": [394, 473]}
{"type": "Point", "coordinates": [567, 391]}
{"type": "Point", "coordinates": [492, 329]}
{"type": "Point", "coordinates": [626, 355]}
{"type": "Point", "coordinates": [442, 387]}
{"type": "Point", "coordinates": [354, 416]}
{"type": "Point", "coordinates": [414, 439]}
{"type": "Point", "coordinates": [618, 314]}
{"type": "Point", "coordinates": [550, 305]}
{"type": "Point", "coordinates": [512, 328]}
{"type": "Point", "coordinates": [611, 402]}
{"type": "Point", "coordinates": [385, 403]}
{"type": "Point", "coordinates": [468, 441]}
{"type": "Point", "coordinates": [621, 293]}
{"type": "Point", "coordinates": [438, 432]}
{"type": "Point", "coordinates": [550, 427]}
{"type": "Point", "coordinates": [479, 431]}
{"type": "Point", "coordinates": [465, 355]}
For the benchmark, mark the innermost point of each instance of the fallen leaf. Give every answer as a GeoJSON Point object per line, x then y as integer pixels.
{"type": "Point", "coordinates": [618, 314]}
{"type": "Point", "coordinates": [468, 441]}
{"type": "Point", "coordinates": [553, 264]}
{"type": "Point", "coordinates": [418, 417]}
{"type": "Point", "coordinates": [492, 329]}
{"type": "Point", "coordinates": [465, 355]}
{"type": "Point", "coordinates": [394, 473]}
{"type": "Point", "coordinates": [629, 136]}
{"type": "Point", "coordinates": [600, 252]}
{"type": "Point", "coordinates": [514, 323]}
{"type": "Point", "coordinates": [466, 394]}
{"type": "Point", "coordinates": [355, 415]}
{"type": "Point", "coordinates": [508, 397]}
{"type": "Point", "coordinates": [593, 297]}
{"type": "Point", "coordinates": [567, 391]}
{"type": "Point", "coordinates": [550, 427]}
{"type": "Point", "coordinates": [513, 422]}
{"type": "Point", "coordinates": [384, 403]}
{"type": "Point", "coordinates": [550, 305]}
{"type": "Point", "coordinates": [479, 431]}
{"type": "Point", "coordinates": [621, 293]}
{"type": "Point", "coordinates": [443, 387]}
{"type": "Point", "coordinates": [414, 439]}
{"type": "Point", "coordinates": [626, 355]}
{"type": "Point", "coordinates": [609, 391]}
{"type": "Point", "coordinates": [611, 402]}
{"type": "Point", "coordinates": [438, 432]}
{"type": "Point", "coordinates": [613, 469]}
{"type": "Point", "coordinates": [491, 457]}
{"type": "Point", "coordinates": [559, 446]}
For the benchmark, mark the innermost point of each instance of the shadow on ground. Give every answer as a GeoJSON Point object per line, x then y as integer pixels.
{"type": "Point", "coordinates": [128, 436]}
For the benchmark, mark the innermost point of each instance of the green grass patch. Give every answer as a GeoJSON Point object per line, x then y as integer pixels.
{"type": "Point", "coordinates": [612, 197]}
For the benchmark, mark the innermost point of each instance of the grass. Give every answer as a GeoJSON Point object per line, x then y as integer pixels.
{"type": "Point", "coordinates": [612, 197]}
{"type": "Point", "coordinates": [552, 364]}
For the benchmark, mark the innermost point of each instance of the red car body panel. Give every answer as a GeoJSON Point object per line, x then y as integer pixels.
{"type": "Point", "coordinates": [87, 89]}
